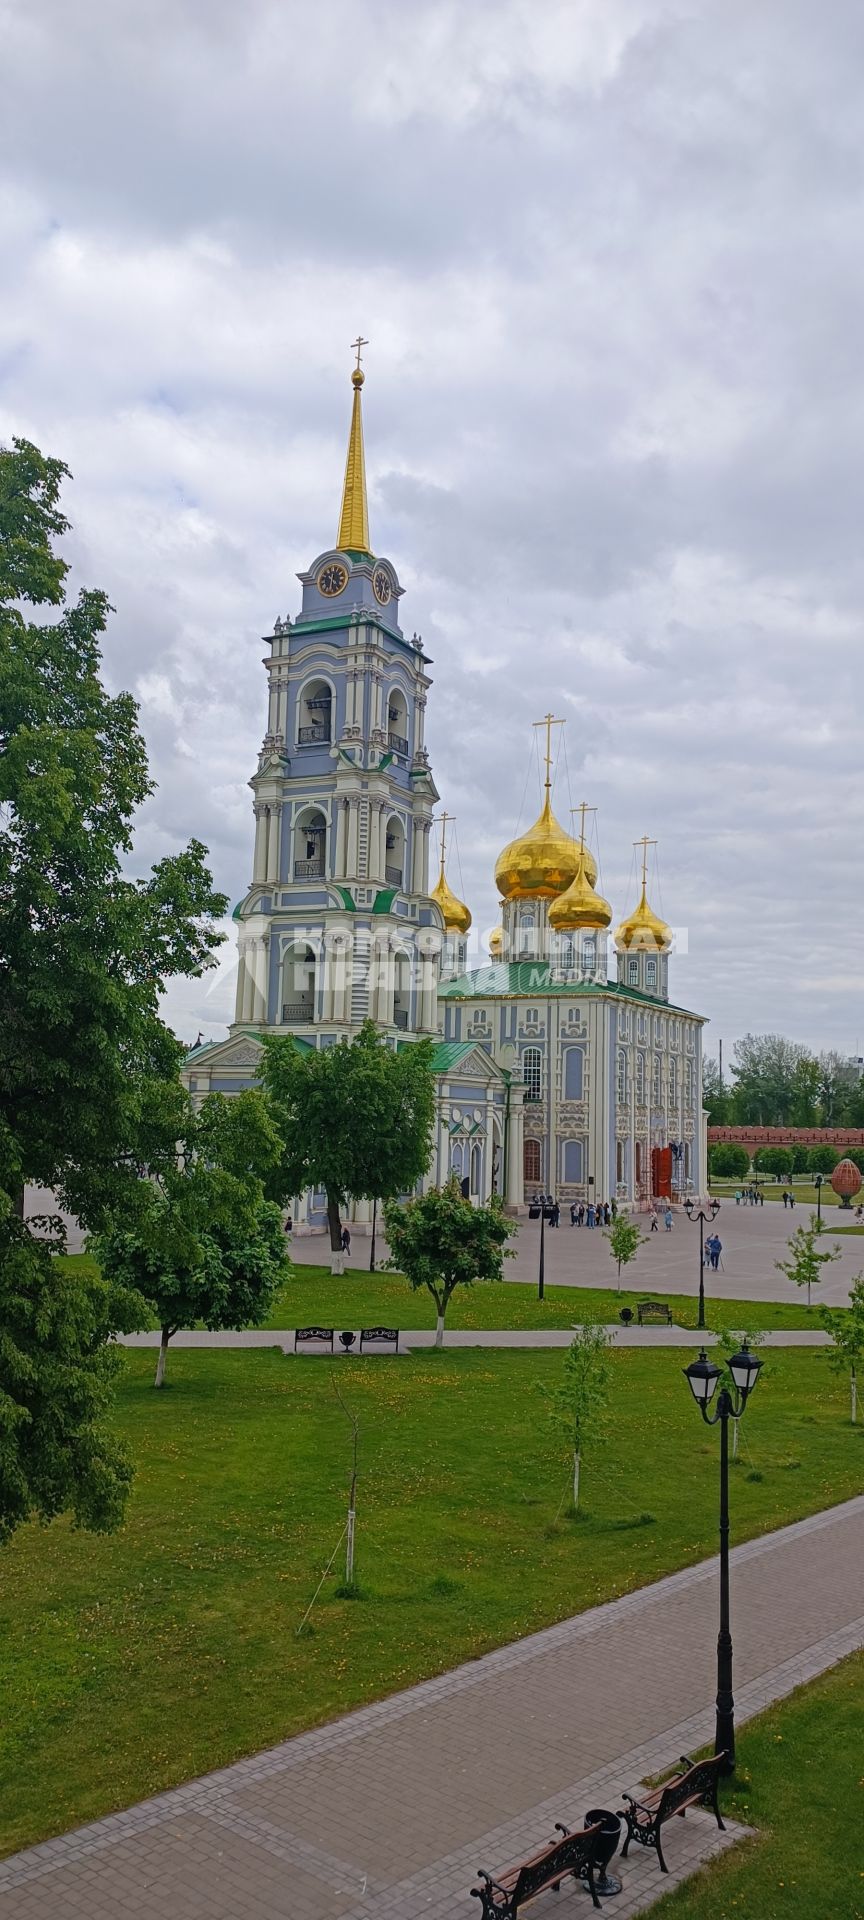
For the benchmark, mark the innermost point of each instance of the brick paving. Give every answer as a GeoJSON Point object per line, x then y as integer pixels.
{"type": "Point", "coordinates": [389, 1811]}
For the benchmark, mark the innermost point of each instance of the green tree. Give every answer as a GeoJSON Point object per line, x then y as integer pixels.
{"type": "Point", "coordinates": [86, 1064]}
{"type": "Point", "coordinates": [716, 1096]}
{"type": "Point", "coordinates": [58, 1453]}
{"type": "Point", "coordinates": [204, 1243]}
{"type": "Point", "coordinates": [624, 1239]}
{"type": "Point", "coordinates": [577, 1407]}
{"type": "Point", "coordinates": [354, 1119]}
{"type": "Point", "coordinates": [774, 1160]}
{"type": "Point", "coordinates": [728, 1161]}
{"type": "Point", "coordinates": [776, 1082]}
{"type": "Point", "coordinates": [441, 1242]}
{"type": "Point", "coordinates": [846, 1327]}
{"type": "Point", "coordinates": [822, 1159]}
{"type": "Point", "coordinates": [799, 1159]}
{"type": "Point", "coordinates": [840, 1083]}
{"type": "Point", "coordinates": [805, 1262]}
{"type": "Point", "coordinates": [856, 1155]}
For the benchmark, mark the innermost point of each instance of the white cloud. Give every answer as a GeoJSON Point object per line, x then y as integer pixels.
{"type": "Point", "coordinates": [608, 259]}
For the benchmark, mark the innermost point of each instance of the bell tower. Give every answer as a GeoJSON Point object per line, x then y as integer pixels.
{"type": "Point", "coordinates": [338, 924]}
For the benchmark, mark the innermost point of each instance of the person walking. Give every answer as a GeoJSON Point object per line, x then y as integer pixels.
{"type": "Point", "coordinates": [346, 1240]}
{"type": "Point", "coordinates": [667, 1219]}
{"type": "Point", "coordinates": [654, 1226]}
{"type": "Point", "coordinates": [556, 1214]}
{"type": "Point", "coordinates": [572, 1213]}
{"type": "Point", "coordinates": [590, 1213]}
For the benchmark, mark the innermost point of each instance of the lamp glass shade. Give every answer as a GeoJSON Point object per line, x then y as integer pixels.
{"type": "Point", "coordinates": [688, 1205]}
{"type": "Point", "coordinates": [702, 1377]}
{"type": "Point", "coordinates": [715, 1207]}
{"type": "Point", "coordinates": [744, 1368]}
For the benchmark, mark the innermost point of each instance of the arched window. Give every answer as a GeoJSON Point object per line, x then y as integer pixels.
{"type": "Point", "coordinates": [589, 952]}
{"type": "Point", "coordinates": [640, 1079]}
{"type": "Point", "coordinates": [476, 1162]}
{"type": "Point", "coordinates": [673, 1080]}
{"type": "Point", "coordinates": [574, 1060]}
{"type": "Point", "coordinates": [310, 845]}
{"type": "Point", "coordinates": [397, 723]}
{"type": "Point", "coordinates": [315, 714]}
{"type": "Point", "coordinates": [632, 973]}
{"type": "Point", "coordinates": [394, 852]}
{"type": "Point", "coordinates": [650, 973]}
{"type": "Point", "coordinates": [656, 1092]}
{"type": "Point", "coordinates": [298, 985]}
{"type": "Point", "coordinates": [622, 1077]}
{"type": "Point", "coordinates": [531, 1162]}
{"type": "Point", "coordinates": [571, 1162]}
{"type": "Point", "coordinates": [532, 1073]}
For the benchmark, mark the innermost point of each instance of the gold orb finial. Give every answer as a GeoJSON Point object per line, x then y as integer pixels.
{"type": "Point", "coordinates": [643, 931]}
{"type": "Point", "coordinates": [457, 917]}
{"type": "Point", "coordinates": [579, 906]}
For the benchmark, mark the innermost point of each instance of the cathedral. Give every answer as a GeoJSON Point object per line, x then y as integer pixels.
{"type": "Point", "coordinates": [550, 1074]}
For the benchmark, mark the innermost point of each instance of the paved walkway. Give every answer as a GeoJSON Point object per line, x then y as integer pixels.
{"type": "Point", "coordinates": [480, 1337]}
{"type": "Point", "coordinates": [753, 1238]}
{"type": "Point", "coordinates": [386, 1814]}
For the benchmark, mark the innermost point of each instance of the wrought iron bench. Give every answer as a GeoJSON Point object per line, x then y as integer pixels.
{"type": "Point", "coordinates": [575, 1853]}
{"type": "Point", "coordinates": [654, 1310]}
{"type": "Point", "coordinates": [696, 1786]}
{"type": "Point", "coordinates": [379, 1337]}
{"type": "Point", "coordinates": [306, 1336]}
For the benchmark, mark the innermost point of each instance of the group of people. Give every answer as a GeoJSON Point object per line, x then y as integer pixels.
{"type": "Point", "coordinates": [713, 1250]}
{"type": "Point", "coordinates": [751, 1197]}
{"type": "Point", "coordinates": [667, 1220]}
{"type": "Point", "coordinates": [599, 1213]}
{"type": "Point", "coordinates": [788, 1198]}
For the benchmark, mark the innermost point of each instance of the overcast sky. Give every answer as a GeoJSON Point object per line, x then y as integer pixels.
{"type": "Point", "coordinates": [608, 256]}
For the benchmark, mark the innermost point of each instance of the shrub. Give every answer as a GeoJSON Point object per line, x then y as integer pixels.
{"type": "Point", "coordinates": [822, 1159]}
{"type": "Point", "coordinates": [729, 1161]}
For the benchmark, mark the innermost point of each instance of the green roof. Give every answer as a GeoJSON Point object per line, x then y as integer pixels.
{"type": "Point", "coordinates": [449, 1053]}
{"type": "Point", "coordinates": [531, 979]}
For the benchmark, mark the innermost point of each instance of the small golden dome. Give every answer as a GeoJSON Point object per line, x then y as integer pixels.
{"type": "Point", "coordinates": [643, 931]}
{"type": "Point", "coordinates": [542, 862]}
{"type": "Point", "coordinates": [579, 905]}
{"type": "Point", "coordinates": [457, 918]}
{"type": "Point", "coordinates": [496, 943]}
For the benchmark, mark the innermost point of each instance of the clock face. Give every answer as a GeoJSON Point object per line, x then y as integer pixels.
{"type": "Point", "coordinates": [383, 586]}
{"type": "Point", "coordinates": [332, 579]}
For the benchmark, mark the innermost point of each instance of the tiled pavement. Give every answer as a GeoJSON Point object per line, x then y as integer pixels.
{"type": "Point", "coordinates": [485, 1337]}
{"type": "Point", "coordinates": [386, 1814]}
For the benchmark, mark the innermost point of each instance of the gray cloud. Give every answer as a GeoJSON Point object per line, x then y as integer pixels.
{"type": "Point", "coordinates": [608, 258]}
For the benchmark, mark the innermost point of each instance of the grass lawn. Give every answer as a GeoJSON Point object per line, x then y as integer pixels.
{"type": "Point", "coordinates": [799, 1781]}
{"type": "Point", "coordinates": [314, 1296]}
{"type": "Point", "coordinates": [367, 1299]}
{"type": "Point", "coordinates": [801, 1186]}
{"type": "Point", "coordinates": [133, 1662]}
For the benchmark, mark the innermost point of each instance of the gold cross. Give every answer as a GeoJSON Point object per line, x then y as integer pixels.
{"type": "Point", "coordinates": [443, 825]}
{"type": "Point", "coordinates": [358, 343]}
{"type": "Point", "coordinates": [644, 843]}
{"type": "Point", "coordinates": [548, 722]}
{"type": "Point", "coordinates": [582, 808]}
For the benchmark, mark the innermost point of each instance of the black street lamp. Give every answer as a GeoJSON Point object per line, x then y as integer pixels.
{"type": "Point", "coordinates": [539, 1206]}
{"type": "Point", "coordinates": [702, 1377]}
{"type": "Point", "coordinates": [818, 1185]}
{"type": "Point", "coordinates": [701, 1216]}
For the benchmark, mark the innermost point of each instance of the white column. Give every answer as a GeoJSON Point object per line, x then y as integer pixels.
{"type": "Point", "coordinates": [275, 814]}
{"type": "Point", "coordinates": [353, 817]}
{"type": "Point", "coordinates": [417, 855]}
{"type": "Point", "coordinates": [376, 839]}
{"type": "Point", "coordinates": [259, 863]}
{"type": "Point", "coordinates": [341, 839]}
{"type": "Point", "coordinates": [515, 1179]}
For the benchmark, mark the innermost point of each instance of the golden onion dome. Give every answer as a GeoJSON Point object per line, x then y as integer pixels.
{"type": "Point", "coordinates": [496, 943]}
{"type": "Point", "coordinates": [643, 931]}
{"type": "Point", "coordinates": [542, 862]}
{"type": "Point", "coordinates": [457, 918]}
{"type": "Point", "coordinates": [579, 906]}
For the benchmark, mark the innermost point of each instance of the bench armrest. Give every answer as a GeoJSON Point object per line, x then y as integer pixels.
{"type": "Point", "coordinates": [640, 1805]}
{"type": "Point", "coordinates": [483, 1875]}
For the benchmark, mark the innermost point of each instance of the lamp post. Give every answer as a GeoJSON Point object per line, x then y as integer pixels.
{"type": "Point", "coordinates": [542, 1266]}
{"type": "Point", "coordinates": [702, 1377]}
{"type": "Point", "coordinates": [701, 1216]}
{"type": "Point", "coordinates": [818, 1185]}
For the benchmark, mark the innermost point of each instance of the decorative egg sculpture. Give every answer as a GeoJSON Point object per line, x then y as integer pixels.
{"type": "Point", "coordinates": [846, 1181]}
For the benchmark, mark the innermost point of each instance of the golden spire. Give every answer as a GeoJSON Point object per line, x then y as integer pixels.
{"type": "Point", "coordinates": [457, 918]}
{"type": "Point", "coordinates": [579, 905]}
{"type": "Point", "coordinates": [643, 930]}
{"type": "Point", "coordinates": [543, 861]}
{"type": "Point", "coordinates": [353, 534]}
